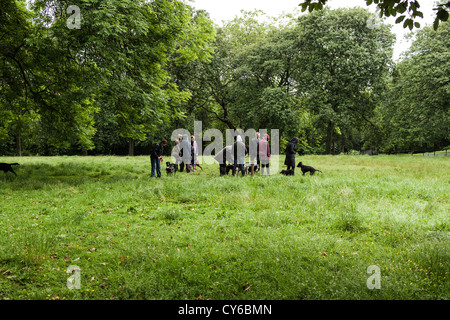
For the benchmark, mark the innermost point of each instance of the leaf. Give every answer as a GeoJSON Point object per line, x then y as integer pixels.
{"type": "Point", "coordinates": [435, 24]}
{"type": "Point", "coordinates": [399, 19]}
{"type": "Point", "coordinates": [408, 23]}
{"type": "Point", "coordinates": [442, 15]}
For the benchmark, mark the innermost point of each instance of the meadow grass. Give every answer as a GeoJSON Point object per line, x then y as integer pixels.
{"type": "Point", "coordinates": [201, 236]}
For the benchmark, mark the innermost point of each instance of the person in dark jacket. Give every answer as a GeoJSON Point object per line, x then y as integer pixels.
{"type": "Point", "coordinates": [156, 157]}
{"type": "Point", "coordinates": [222, 157]}
{"type": "Point", "coordinates": [291, 150]}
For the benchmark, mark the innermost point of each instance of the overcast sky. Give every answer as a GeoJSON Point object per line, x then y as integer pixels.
{"type": "Point", "coordinates": [221, 10]}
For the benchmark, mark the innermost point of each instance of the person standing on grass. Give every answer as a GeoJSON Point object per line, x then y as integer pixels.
{"type": "Point", "coordinates": [264, 153]}
{"type": "Point", "coordinates": [238, 151]}
{"type": "Point", "coordinates": [185, 154]}
{"type": "Point", "coordinates": [291, 150]}
{"type": "Point", "coordinates": [221, 157]}
{"type": "Point", "coordinates": [254, 149]}
{"type": "Point", "coordinates": [194, 152]}
{"type": "Point", "coordinates": [176, 154]}
{"type": "Point", "coordinates": [156, 157]}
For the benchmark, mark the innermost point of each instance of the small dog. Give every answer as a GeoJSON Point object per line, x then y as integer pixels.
{"type": "Point", "coordinates": [306, 169]}
{"type": "Point", "coordinates": [288, 172]}
{"type": "Point", "coordinates": [171, 168]}
{"type": "Point", "coordinates": [7, 167]}
{"type": "Point", "coordinates": [248, 168]}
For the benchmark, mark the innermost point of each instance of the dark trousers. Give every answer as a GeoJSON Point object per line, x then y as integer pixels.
{"type": "Point", "coordinates": [236, 165]}
{"type": "Point", "coordinates": [188, 166]}
{"type": "Point", "coordinates": [223, 169]}
{"type": "Point", "coordinates": [156, 165]}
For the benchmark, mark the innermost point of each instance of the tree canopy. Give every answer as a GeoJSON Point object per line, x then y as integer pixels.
{"type": "Point", "coordinates": [132, 72]}
{"type": "Point", "coordinates": [408, 10]}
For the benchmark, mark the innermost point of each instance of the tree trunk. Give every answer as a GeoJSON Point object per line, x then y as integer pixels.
{"type": "Point", "coordinates": [18, 144]}
{"type": "Point", "coordinates": [329, 139]}
{"type": "Point", "coordinates": [131, 147]}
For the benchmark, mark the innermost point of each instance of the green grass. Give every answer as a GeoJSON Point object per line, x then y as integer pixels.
{"type": "Point", "coordinates": [201, 236]}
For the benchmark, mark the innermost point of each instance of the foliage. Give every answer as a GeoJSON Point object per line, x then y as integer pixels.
{"type": "Point", "coordinates": [136, 71]}
{"type": "Point", "coordinates": [118, 57]}
{"type": "Point", "coordinates": [416, 115]}
{"type": "Point", "coordinates": [341, 69]}
{"type": "Point", "coordinates": [391, 8]}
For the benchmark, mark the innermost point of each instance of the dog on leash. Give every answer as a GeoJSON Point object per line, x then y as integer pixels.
{"type": "Point", "coordinates": [7, 167]}
{"type": "Point", "coordinates": [306, 169]}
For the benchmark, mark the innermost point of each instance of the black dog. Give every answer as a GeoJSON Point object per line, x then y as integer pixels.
{"type": "Point", "coordinates": [288, 172]}
{"type": "Point", "coordinates": [229, 168]}
{"type": "Point", "coordinates": [225, 169]}
{"type": "Point", "coordinates": [306, 169]}
{"type": "Point", "coordinates": [171, 168]}
{"type": "Point", "coordinates": [7, 167]}
{"type": "Point", "coordinates": [248, 168]}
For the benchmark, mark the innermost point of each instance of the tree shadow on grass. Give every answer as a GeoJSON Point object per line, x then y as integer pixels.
{"type": "Point", "coordinates": [41, 175]}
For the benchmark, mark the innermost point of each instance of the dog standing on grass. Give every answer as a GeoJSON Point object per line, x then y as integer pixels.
{"type": "Point", "coordinates": [7, 167]}
{"type": "Point", "coordinates": [171, 168]}
{"type": "Point", "coordinates": [306, 169]}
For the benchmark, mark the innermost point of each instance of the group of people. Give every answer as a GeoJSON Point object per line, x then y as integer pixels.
{"type": "Point", "coordinates": [259, 152]}
{"type": "Point", "coordinates": [186, 152]}
{"type": "Point", "coordinates": [235, 154]}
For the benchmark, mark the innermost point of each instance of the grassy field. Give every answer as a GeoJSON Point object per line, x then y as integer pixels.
{"type": "Point", "coordinates": [201, 236]}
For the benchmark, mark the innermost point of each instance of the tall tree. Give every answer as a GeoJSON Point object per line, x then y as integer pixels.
{"type": "Point", "coordinates": [416, 115]}
{"type": "Point", "coordinates": [118, 56]}
{"type": "Point", "coordinates": [342, 65]}
{"type": "Point", "coordinates": [247, 83]}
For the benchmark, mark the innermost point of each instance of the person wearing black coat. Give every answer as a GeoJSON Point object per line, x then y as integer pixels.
{"type": "Point", "coordinates": [291, 150]}
{"type": "Point", "coordinates": [156, 157]}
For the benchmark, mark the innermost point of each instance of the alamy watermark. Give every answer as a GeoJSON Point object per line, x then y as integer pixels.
{"type": "Point", "coordinates": [74, 21]}
{"type": "Point", "coordinates": [74, 281]}
{"type": "Point", "coordinates": [374, 280]}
